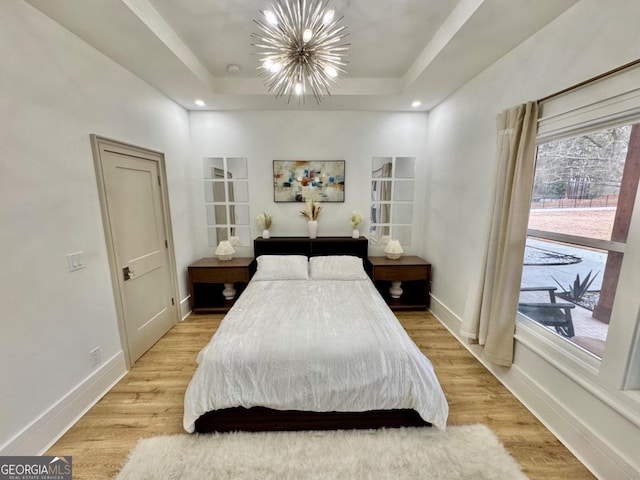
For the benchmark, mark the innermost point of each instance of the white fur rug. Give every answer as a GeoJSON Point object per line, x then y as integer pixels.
{"type": "Point", "coordinates": [464, 452]}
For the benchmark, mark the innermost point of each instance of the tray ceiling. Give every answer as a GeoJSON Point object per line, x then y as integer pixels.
{"type": "Point", "coordinates": [400, 51]}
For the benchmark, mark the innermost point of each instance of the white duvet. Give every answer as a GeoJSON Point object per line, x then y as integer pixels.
{"type": "Point", "coordinates": [313, 345]}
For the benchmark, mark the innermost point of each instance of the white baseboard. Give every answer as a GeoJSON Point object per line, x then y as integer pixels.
{"type": "Point", "coordinates": [445, 316]}
{"type": "Point", "coordinates": [185, 308]}
{"type": "Point", "coordinates": [44, 431]}
{"type": "Point", "coordinates": [588, 446]}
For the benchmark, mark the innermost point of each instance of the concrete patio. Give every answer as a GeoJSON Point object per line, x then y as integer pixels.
{"type": "Point", "coordinates": [563, 263]}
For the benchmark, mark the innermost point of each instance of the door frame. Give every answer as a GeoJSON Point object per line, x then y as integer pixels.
{"type": "Point", "coordinates": [96, 142]}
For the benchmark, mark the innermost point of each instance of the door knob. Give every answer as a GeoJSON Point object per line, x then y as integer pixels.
{"type": "Point", "coordinates": [127, 273]}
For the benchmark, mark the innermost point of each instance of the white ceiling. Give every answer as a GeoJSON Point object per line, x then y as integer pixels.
{"type": "Point", "coordinates": [401, 50]}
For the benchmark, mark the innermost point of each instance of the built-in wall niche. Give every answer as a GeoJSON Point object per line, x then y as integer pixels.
{"type": "Point", "coordinates": [226, 198]}
{"type": "Point", "coordinates": [392, 192]}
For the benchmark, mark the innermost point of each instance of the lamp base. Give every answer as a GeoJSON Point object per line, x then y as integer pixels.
{"type": "Point", "coordinates": [396, 290]}
{"type": "Point", "coordinates": [229, 292]}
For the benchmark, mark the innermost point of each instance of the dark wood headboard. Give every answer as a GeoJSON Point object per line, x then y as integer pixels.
{"type": "Point", "coordinates": [311, 247]}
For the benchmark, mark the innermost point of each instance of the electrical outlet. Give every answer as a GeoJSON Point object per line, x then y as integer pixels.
{"type": "Point", "coordinates": [95, 356]}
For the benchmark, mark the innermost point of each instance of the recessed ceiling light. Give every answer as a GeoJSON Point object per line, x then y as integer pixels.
{"type": "Point", "coordinates": [416, 103]}
{"type": "Point", "coordinates": [199, 103]}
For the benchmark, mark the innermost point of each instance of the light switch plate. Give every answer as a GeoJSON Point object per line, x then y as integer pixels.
{"type": "Point", "coordinates": [75, 261]}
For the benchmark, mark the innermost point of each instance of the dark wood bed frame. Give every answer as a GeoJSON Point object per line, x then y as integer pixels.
{"type": "Point", "coordinates": [266, 419]}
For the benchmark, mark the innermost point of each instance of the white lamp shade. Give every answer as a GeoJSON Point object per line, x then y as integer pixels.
{"type": "Point", "coordinates": [224, 250]}
{"type": "Point", "coordinates": [393, 250]}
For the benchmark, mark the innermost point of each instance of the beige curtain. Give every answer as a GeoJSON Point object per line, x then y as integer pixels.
{"type": "Point", "coordinates": [490, 311]}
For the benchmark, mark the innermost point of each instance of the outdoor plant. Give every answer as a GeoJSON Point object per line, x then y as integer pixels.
{"type": "Point", "coordinates": [556, 189]}
{"type": "Point", "coordinates": [579, 288]}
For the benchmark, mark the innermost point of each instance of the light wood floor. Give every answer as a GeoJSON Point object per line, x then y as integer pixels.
{"type": "Point", "coordinates": [148, 402]}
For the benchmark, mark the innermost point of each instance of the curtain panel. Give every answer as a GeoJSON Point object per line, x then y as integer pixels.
{"type": "Point", "coordinates": [491, 306]}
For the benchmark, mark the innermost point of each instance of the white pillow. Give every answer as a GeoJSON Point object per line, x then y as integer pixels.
{"type": "Point", "coordinates": [336, 267]}
{"type": "Point", "coordinates": [282, 267]}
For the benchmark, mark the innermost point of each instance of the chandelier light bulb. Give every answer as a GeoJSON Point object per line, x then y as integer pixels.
{"type": "Point", "coordinates": [328, 16]}
{"type": "Point", "coordinates": [275, 67]}
{"type": "Point", "coordinates": [332, 72]}
{"type": "Point", "coordinates": [306, 36]}
{"type": "Point", "coordinates": [271, 17]}
{"type": "Point", "coordinates": [300, 40]}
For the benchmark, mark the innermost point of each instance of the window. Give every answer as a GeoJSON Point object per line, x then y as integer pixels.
{"type": "Point", "coordinates": [581, 210]}
{"type": "Point", "coordinates": [392, 190]}
{"type": "Point", "coordinates": [226, 196]}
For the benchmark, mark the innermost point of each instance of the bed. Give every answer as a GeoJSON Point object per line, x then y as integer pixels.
{"type": "Point", "coordinates": [311, 344]}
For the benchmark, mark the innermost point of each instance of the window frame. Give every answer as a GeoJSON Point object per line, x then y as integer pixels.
{"type": "Point", "coordinates": [615, 379]}
{"type": "Point", "coordinates": [615, 368]}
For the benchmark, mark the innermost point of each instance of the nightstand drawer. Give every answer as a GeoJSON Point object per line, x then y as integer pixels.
{"type": "Point", "coordinates": [220, 275]}
{"type": "Point", "coordinates": [406, 272]}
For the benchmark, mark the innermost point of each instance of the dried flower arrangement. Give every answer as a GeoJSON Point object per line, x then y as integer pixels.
{"type": "Point", "coordinates": [264, 220]}
{"type": "Point", "coordinates": [356, 220]}
{"type": "Point", "coordinates": [312, 212]}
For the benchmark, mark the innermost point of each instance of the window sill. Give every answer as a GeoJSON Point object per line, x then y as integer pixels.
{"type": "Point", "coordinates": [577, 364]}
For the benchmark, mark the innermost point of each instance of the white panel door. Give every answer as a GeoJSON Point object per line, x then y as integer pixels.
{"type": "Point", "coordinates": [139, 241]}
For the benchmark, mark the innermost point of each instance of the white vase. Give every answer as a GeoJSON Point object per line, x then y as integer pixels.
{"type": "Point", "coordinates": [355, 233]}
{"type": "Point", "coordinates": [265, 233]}
{"type": "Point", "coordinates": [313, 228]}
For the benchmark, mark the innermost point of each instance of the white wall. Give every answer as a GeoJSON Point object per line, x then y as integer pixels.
{"type": "Point", "coordinates": [262, 137]}
{"type": "Point", "coordinates": [592, 37]}
{"type": "Point", "coordinates": [55, 91]}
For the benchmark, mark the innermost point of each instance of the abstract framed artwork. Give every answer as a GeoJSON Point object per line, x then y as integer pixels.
{"type": "Point", "coordinates": [306, 180]}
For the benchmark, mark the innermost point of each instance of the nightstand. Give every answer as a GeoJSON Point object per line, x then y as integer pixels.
{"type": "Point", "coordinates": [214, 284]}
{"type": "Point", "coordinates": [403, 283]}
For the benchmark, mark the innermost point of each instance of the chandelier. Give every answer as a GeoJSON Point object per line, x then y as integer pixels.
{"type": "Point", "coordinates": [299, 48]}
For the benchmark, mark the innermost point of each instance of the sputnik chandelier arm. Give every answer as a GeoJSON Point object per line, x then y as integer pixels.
{"type": "Point", "coordinates": [300, 49]}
